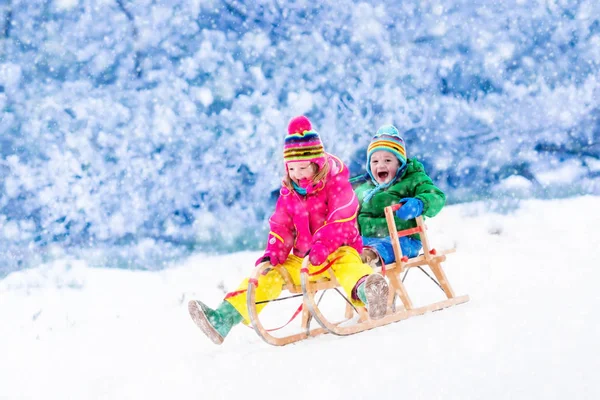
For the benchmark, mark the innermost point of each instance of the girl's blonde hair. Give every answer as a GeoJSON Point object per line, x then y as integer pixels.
{"type": "Point", "coordinates": [320, 176]}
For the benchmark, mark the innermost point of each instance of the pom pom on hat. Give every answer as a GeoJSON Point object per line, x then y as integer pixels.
{"type": "Point", "coordinates": [299, 124]}
{"type": "Point", "coordinates": [388, 130]}
{"type": "Point", "coordinates": [302, 143]}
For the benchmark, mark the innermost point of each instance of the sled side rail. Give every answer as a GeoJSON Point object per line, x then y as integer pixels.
{"type": "Point", "coordinates": [402, 262]}
{"type": "Point", "coordinates": [430, 257]}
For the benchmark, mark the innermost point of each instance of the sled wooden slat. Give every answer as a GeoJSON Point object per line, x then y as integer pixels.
{"type": "Point", "coordinates": [418, 261]}
{"type": "Point", "coordinates": [441, 277]}
{"type": "Point", "coordinates": [397, 288]}
{"type": "Point", "coordinates": [389, 217]}
{"type": "Point", "coordinates": [340, 330]}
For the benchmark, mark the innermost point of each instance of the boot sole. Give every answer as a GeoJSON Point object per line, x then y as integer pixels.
{"type": "Point", "coordinates": [376, 291]}
{"type": "Point", "coordinates": [199, 317]}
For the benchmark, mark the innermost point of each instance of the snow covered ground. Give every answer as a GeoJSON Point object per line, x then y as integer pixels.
{"type": "Point", "coordinates": [530, 330]}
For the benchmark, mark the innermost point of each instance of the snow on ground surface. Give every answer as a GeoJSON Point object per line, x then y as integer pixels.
{"type": "Point", "coordinates": [530, 330]}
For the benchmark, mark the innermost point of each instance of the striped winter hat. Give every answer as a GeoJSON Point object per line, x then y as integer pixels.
{"type": "Point", "coordinates": [387, 138]}
{"type": "Point", "coordinates": [302, 143]}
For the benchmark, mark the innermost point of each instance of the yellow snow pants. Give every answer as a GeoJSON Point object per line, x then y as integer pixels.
{"type": "Point", "coordinates": [348, 269]}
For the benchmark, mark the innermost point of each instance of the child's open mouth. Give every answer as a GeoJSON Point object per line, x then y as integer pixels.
{"type": "Point", "coordinates": [382, 175]}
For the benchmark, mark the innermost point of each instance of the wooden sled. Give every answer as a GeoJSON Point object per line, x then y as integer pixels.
{"type": "Point", "coordinates": [357, 319]}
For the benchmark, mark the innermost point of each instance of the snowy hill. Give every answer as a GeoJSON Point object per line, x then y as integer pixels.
{"type": "Point", "coordinates": [529, 331]}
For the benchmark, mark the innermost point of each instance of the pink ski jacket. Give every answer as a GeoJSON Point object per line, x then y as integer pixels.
{"type": "Point", "coordinates": [327, 214]}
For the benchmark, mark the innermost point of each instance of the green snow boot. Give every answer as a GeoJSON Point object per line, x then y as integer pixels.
{"type": "Point", "coordinates": [374, 293]}
{"type": "Point", "coordinates": [215, 324]}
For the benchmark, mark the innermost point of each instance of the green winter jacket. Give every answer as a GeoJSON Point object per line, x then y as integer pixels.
{"type": "Point", "coordinates": [414, 182]}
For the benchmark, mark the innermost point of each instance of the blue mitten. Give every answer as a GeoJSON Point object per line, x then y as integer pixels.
{"type": "Point", "coordinates": [411, 208]}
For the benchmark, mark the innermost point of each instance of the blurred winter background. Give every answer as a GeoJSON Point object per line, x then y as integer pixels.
{"type": "Point", "coordinates": [136, 132]}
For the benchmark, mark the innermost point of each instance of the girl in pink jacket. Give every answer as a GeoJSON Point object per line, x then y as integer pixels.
{"type": "Point", "coordinates": [315, 215]}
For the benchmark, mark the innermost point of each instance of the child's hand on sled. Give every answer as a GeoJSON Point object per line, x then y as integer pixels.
{"type": "Point", "coordinates": [411, 208]}
{"type": "Point", "coordinates": [273, 260]}
{"type": "Point", "coordinates": [261, 260]}
{"type": "Point", "coordinates": [318, 254]}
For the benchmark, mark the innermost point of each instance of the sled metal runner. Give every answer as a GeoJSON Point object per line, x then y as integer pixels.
{"type": "Point", "coordinates": [356, 319]}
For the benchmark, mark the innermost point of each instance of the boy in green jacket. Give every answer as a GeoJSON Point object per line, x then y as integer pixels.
{"type": "Point", "coordinates": [392, 178]}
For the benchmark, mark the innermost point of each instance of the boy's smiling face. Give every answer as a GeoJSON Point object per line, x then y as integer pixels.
{"type": "Point", "coordinates": [384, 166]}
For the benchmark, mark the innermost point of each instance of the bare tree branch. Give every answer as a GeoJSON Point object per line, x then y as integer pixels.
{"type": "Point", "coordinates": [134, 31]}
{"type": "Point", "coordinates": [7, 20]}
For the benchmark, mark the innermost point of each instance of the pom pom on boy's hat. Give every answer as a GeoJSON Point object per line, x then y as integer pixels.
{"type": "Point", "coordinates": [387, 139]}
{"type": "Point", "coordinates": [302, 143]}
